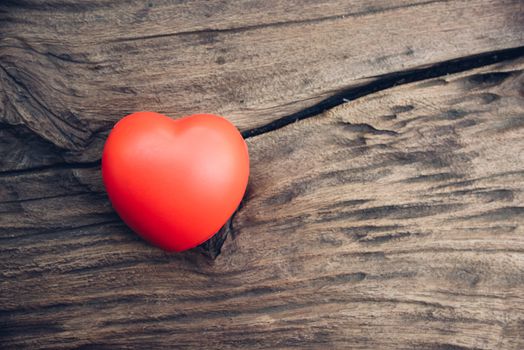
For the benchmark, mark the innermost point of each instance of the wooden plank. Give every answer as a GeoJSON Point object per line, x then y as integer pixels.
{"type": "Point", "coordinates": [393, 221]}
{"type": "Point", "coordinates": [70, 70]}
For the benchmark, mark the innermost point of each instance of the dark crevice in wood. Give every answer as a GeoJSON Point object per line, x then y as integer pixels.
{"type": "Point", "coordinates": [390, 80]}
{"type": "Point", "coordinates": [55, 166]}
{"type": "Point", "coordinates": [381, 83]}
{"type": "Point", "coordinates": [211, 248]}
{"type": "Point", "coordinates": [33, 199]}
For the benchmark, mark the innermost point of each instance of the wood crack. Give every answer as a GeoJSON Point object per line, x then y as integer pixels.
{"type": "Point", "coordinates": [64, 165]}
{"type": "Point", "coordinates": [386, 81]}
{"type": "Point", "coordinates": [381, 83]}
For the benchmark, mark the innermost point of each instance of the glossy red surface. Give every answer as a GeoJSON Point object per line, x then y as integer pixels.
{"type": "Point", "coordinates": [175, 182]}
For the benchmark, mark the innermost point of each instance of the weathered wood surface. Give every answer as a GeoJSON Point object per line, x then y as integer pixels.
{"type": "Point", "coordinates": [70, 69]}
{"type": "Point", "coordinates": [392, 221]}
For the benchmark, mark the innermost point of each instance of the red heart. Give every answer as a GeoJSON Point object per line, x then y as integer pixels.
{"type": "Point", "coordinates": [175, 182]}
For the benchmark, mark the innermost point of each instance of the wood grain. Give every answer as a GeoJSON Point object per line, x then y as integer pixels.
{"type": "Point", "coordinates": [69, 70]}
{"type": "Point", "coordinates": [392, 221]}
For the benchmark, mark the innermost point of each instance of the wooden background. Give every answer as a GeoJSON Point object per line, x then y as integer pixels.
{"type": "Point", "coordinates": [386, 200]}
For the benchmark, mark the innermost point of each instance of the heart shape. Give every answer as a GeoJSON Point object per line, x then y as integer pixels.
{"type": "Point", "coordinates": [175, 182]}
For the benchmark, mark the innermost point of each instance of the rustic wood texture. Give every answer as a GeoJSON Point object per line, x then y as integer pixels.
{"type": "Point", "coordinates": [70, 69]}
{"type": "Point", "coordinates": [392, 221]}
